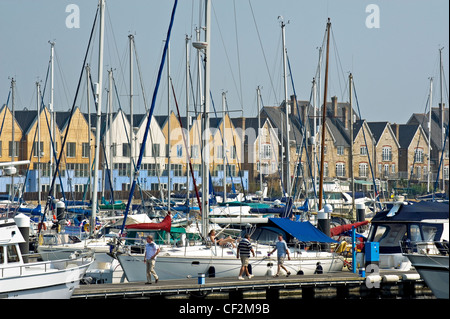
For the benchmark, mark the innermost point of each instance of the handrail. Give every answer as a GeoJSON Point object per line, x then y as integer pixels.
{"type": "Point", "coordinates": [425, 247]}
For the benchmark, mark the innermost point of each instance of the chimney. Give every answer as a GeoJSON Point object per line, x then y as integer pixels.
{"type": "Point", "coordinates": [396, 129]}
{"type": "Point", "coordinates": [293, 104]}
{"type": "Point", "coordinates": [334, 105]}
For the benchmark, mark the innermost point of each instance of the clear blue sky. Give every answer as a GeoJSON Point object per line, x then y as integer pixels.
{"type": "Point", "coordinates": [390, 64]}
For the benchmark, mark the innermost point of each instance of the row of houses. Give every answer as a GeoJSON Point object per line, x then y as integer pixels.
{"type": "Point", "coordinates": [250, 150]}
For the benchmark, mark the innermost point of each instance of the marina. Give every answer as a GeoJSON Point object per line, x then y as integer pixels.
{"type": "Point", "coordinates": [311, 199]}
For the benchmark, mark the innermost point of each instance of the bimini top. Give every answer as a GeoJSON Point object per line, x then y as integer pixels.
{"type": "Point", "coordinates": [303, 231]}
{"type": "Point", "coordinates": [413, 212]}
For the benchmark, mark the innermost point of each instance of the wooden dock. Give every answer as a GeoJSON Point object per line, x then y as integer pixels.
{"type": "Point", "coordinates": [343, 285]}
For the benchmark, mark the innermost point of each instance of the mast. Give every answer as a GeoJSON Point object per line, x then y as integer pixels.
{"type": "Point", "coordinates": [224, 151]}
{"type": "Point", "coordinates": [188, 122]}
{"type": "Point", "coordinates": [429, 136]}
{"type": "Point", "coordinates": [205, 148]}
{"type": "Point", "coordinates": [441, 109]}
{"type": "Point", "coordinates": [258, 100]}
{"type": "Point", "coordinates": [350, 89]}
{"type": "Point", "coordinates": [39, 141]}
{"type": "Point", "coordinates": [287, 150]}
{"type": "Point", "coordinates": [168, 127]}
{"type": "Point", "coordinates": [131, 38]}
{"type": "Point", "coordinates": [98, 92]}
{"type": "Point", "coordinates": [324, 113]}
{"type": "Point", "coordinates": [52, 111]}
{"type": "Point", "coordinates": [88, 76]}
{"type": "Point", "coordinates": [13, 146]}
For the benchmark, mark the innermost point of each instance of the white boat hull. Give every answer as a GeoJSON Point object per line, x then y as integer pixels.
{"type": "Point", "coordinates": [227, 265]}
{"type": "Point", "coordinates": [44, 280]}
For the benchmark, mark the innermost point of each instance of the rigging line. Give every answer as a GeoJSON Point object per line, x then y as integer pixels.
{"type": "Point", "coordinates": [238, 55]}
{"type": "Point", "coordinates": [303, 128]}
{"type": "Point", "coordinates": [73, 109]}
{"type": "Point", "coordinates": [338, 64]}
{"type": "Point", "coordinates": [263, 52]}
{"type": "Point", "coordinates": [365, 142]}
{"type": "Point", "coordinates": [185, 143]}
{"type": "Point", "coordinates": [227, 57]}
{"type": "Point", "coordinates": [147, 128]}
{"type": "Point", "coordinates": [63, 80]}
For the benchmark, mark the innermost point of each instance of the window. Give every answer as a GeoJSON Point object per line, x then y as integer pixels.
{"type": "Point", "coordinates": [179, 150]}
{"type": "Point", "coordinates": [85, 150]}
{"type": "Point", "coordinates": [445, 172]}
{"type": "Point", "coordinates": [393, 168]}
{"type": "Point", "coordinates": [219, 152]}
{"type": "Point", "coordinates": [194, 151]}
{"type": "Point", "coordinates": [233, 152]}
{"type": "Point", "coordinates": [340, 150]}
{"type": "Point", "coordinates": [156, 150]}
{"type": "Point", "coordinates": [126, 149]}
{"type": "Point", "coordinates": [122, 168]}
{"type": "Point", "coordinates": [16, 149]}
{"type": "Point", "coordinates": [177, 169]}
{"type": "Point", "coordinates": [266, 151]}
{"type": "Point", "coordinates": [326, 172]}
{"type": "Point", "coordinates": [386, 169]}
{"type": "Point", "coordinates": [418, 155]}
{"type": "Point", "coordinates": [12, 254]}
{"type": "Point", "coordinates": [340, 169]}
{"type": "Point", "coordinates": [386, 154]}
{"type": "Point", "coordinates": [37, 149]}
{"type": "Point", "coordinates": [363, 150]}
{"type": "Point", "coordinates": [363, 169]}
{"type": "Point", "coordinates": [71, 150]}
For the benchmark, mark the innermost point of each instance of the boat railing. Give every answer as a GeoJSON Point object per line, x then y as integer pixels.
{"type": "Point", "coordinates": [16, 269]}
{"type": "Point", "coordinates": [425, 247]}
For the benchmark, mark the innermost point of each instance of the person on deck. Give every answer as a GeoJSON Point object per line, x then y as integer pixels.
{"type": "Point", "coordinates": [243, 251]}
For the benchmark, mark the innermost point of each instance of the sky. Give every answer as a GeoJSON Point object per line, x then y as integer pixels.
{"type": "Point", "coordinates": [391, 47]}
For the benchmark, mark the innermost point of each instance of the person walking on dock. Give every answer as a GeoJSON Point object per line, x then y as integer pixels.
{"type": "Point", "coordinates": [151, 250]}
{"type": "Point", "coordinates": [243, 250]}
{"type": "Point", "coordinates": [282, 250]}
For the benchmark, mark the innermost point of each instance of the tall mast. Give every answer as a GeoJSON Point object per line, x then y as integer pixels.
{"type": "Point", "coordinates": [441, 109]}
{"type": "Point", "coordinates": [187, 122]}
{"type": "Point", "coordinates": [13, 146]}
{"type": "Point", "coordinates": [324, 113]}
{"type": "Point", "coordinates": [38, 94]}
{"type": "Point", "coordinates": [131, 39]}
{"type": "Point", "coordinates": [429, 136]}
{"type": "Point", "coordinates": [258, 100]}
{"type": "Point", "coordinates": [168, 128]}
{"type": "Point", "coordinates": [352, 177]}
{"type": "Point", "coordinates": [98, 93]}
{"type": "Point", "coordinates": [287, 149]}
{"type": "Point", "coordinates": [88, 96]}
{"type": "Point", "coordinates": [205, 148]}
{"type": "Point", "coordinates": [52, 111]}
{"type": "Point", "coordinates": [224, 155]}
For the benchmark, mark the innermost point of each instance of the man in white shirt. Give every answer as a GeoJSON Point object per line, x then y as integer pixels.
{"type": "Point", "coordinates": [151, 250]}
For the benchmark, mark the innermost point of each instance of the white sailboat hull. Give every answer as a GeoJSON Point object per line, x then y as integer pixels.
{"type": "Point", "coordinates": [226, 265]}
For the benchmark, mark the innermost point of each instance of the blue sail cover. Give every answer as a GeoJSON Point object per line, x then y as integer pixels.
{"type": "Point", "coordinates": [303, 231]}
{"type": "Point", "coordinates": [415, 212]}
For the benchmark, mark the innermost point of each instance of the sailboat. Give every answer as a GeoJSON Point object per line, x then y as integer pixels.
{"type": "Point", "coordinates": [185, 260]}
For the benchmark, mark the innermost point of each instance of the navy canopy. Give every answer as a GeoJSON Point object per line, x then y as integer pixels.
{"type": "Point", "coordinates": [303, 231]}
{"type": "Point", "coordinates": [415, 212]}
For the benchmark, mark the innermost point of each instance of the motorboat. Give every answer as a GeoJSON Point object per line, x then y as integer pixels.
{"type": "Point", "coordinates": [406, 222]}
{"type": "Point", "coordinates": [22, 277]}
{"type": "Point", "coordinates": [186, 260]}
{"type": "Point", "coordinates": [430, 259]}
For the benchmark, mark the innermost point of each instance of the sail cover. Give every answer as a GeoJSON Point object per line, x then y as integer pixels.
{"type": "Point", "coordinates": [303, 231]}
